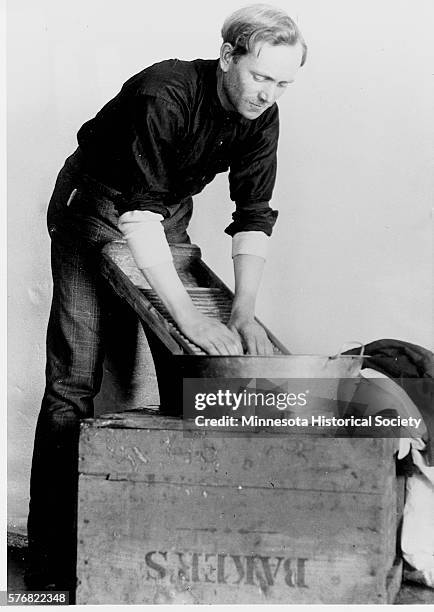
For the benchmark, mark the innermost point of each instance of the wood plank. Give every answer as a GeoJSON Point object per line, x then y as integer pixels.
{"type": "Point", "coordinates": [125, 528]}
{"type": "Point", "coordinates": [294, 462]}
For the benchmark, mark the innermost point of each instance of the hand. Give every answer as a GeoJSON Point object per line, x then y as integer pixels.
{"type": "Point", "coordinates": [253, 337]}
{"type": "Point", "coordinates": [211, 335]}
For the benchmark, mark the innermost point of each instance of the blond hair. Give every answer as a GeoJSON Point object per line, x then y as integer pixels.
{"type": "Point", "coordinates": [260, 23]}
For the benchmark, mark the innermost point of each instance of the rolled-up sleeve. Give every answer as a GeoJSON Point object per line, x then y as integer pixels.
{"type": "Point", "coordinates": [156, 132]}
{"type": "Point", "coordinates": [252, 177]}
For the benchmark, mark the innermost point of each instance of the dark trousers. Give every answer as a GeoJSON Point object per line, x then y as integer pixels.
{"type": "Point", "coordinates": [79, 322]}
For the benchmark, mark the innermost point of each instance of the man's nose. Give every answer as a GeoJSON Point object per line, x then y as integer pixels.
{"type": "Point", "coordinates": [267, 93]}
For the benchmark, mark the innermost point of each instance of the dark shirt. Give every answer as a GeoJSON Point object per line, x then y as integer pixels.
{"type": "Point", "coordinates": [166, 135]}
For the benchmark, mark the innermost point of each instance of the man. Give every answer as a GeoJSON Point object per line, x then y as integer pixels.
{"type": "Point", "coordinates": [168, 132]}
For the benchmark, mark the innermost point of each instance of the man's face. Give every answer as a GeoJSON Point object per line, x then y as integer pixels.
{"type": "Point", "coordinates": [251, 83]}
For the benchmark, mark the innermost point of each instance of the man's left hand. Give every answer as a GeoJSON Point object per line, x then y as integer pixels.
{"type": "Point", "coordinates": [253, 337]}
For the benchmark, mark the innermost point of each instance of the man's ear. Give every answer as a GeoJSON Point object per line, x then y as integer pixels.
{"type": "Point", "coordinates": [226, 57]}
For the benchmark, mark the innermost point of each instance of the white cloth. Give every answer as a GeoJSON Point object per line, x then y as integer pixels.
{"type": "Point", "coordinates": [417, 538]}
{"type": "Point", "coordinates": [417, 535]}
{"type": "Point", "coordinates": [250, 243]}
{"type": "Point", "coordinates": [145, 237]}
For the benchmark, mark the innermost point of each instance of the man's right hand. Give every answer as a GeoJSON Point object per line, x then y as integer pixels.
{"type": "Point", "coordinates": [211, 335]}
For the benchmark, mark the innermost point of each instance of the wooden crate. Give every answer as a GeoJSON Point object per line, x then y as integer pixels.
{"type": "Point", "coordinates": [165, 517]}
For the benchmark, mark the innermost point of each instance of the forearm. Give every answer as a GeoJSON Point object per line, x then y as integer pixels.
{"type": "Point", "coordinates": [145, 237]}
{"type": "Point", "coordinates": [146, 240]}
{"type": "Point", "coordinates": [248, 271]}
{"type": "Point", "coordinates": [214, 337]}
{"type": "Point", "coordinates": [164, 279]}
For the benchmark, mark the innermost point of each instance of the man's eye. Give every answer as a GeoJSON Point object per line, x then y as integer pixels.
{"type": "Point", "coordinates": [283, 85]}
{"type": "Point", "coordinates": [259, 78]}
